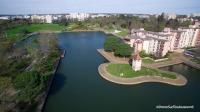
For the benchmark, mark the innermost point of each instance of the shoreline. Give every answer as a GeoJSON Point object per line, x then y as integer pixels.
{"type": "Point", "coordinates": [44, 98]}
{"type": "Point", "coordinates": [179, 81]}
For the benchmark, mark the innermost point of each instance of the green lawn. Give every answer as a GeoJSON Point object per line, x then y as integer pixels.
{"type": "Point", "coordinates": [148, 61]}
{"type": "Point", "coordinates": [34, 28]}
{"type": "Point", "coordinates": [126, 70]}
{"type": "Point", "coordinates": [18, 32]}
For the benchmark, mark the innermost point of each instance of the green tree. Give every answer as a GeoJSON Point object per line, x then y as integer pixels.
{"type": "Point", "coordinates": [111, 44]}
{"type": "Point", "coordinates": [185, 23]}
{"type": "Point", "coordinates": [123, 50]}
{"type": "Point", "coordinates": [172, 23]}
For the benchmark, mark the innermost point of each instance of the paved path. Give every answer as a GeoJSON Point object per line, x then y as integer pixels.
{"type": "Point", "coordinates": [179, 81]}
{"type": "Point", "coordinates": [164, 63]}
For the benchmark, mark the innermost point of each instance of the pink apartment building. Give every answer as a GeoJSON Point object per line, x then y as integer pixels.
{"type": "Point", "coordinates": [160, 43]}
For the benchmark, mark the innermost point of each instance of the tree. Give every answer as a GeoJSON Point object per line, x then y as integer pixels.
{"type": "Point", "coordinates": [143, 54]}
{"type": "Point", "coordinates": [185, 23]}
{"type": "Point", "coordinates": [172, 23]}
{"type": "Point", "coordinates": [161, 18]}
{"type": "Point", "coordinates": [123, 50]}
{"type": "Point", "coordinates": [111, 44]}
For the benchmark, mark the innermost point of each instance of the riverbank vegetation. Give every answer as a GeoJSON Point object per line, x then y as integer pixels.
{"type": "Point", "coordinates": [125, 70]}
{"type": "Point", "coordinates": [25, 67]}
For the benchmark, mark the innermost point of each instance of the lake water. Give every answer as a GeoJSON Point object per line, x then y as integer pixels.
{"type": "Point", "coordinates": [78, 87]}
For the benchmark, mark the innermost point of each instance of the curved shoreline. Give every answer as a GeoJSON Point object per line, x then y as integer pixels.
{"type": "Point", "coordinates": [179, 81]}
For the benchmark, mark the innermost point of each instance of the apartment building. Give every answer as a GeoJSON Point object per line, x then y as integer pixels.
{"type": "Point", "coordinates": [77, 16]}
{"type": "Point", "coordinates": [42, 18]}
{"type": "Point", "coordinates": [151, 42]}
{"type": "Point", "coordinates": [159, 43]}
{"type": "Point", "coordinates": [196, 41]}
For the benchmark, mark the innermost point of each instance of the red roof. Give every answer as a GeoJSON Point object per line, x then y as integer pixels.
{"type": "Point", "coordinates": [136, 57]}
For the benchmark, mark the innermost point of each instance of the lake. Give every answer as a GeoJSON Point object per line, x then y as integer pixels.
{"type": "Point", "coordinates": [78, 87]}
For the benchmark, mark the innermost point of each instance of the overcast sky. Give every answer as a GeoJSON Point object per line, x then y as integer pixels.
{"type": "Point", "coordinates": [99, 6]}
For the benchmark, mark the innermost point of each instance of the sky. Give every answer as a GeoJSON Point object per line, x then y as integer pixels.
{"type": "Point", "coordinates": [99, 6]}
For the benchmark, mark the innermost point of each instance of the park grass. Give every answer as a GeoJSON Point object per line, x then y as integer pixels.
{"type": "Point", "coordinates": [34, 28]}
{"type": "Point", "coordinates": [18, 32]}
{"type": "Point", "coordinates": [148, 60]}
{"type": "Point", "coordinates": [126, 70]}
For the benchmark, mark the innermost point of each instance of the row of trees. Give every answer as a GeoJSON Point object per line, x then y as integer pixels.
{"type": "Point", "coordinates": [114, 44]}
{"type": "Point", "coordinates": [129, 22]}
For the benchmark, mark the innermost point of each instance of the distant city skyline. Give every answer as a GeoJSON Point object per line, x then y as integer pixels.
{"type": "Point", "coordinates": [96, 6]}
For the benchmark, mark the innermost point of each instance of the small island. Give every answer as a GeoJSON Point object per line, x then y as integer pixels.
{"type": "Point", "coordinates": [129, 71]}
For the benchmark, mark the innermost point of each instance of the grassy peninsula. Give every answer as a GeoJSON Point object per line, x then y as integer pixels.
{"type": "Point", "coordinates": [125, 70]}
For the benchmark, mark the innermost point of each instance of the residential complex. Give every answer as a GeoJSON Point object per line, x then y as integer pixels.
{"type": "Point", "coordinates": [160, 43]}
